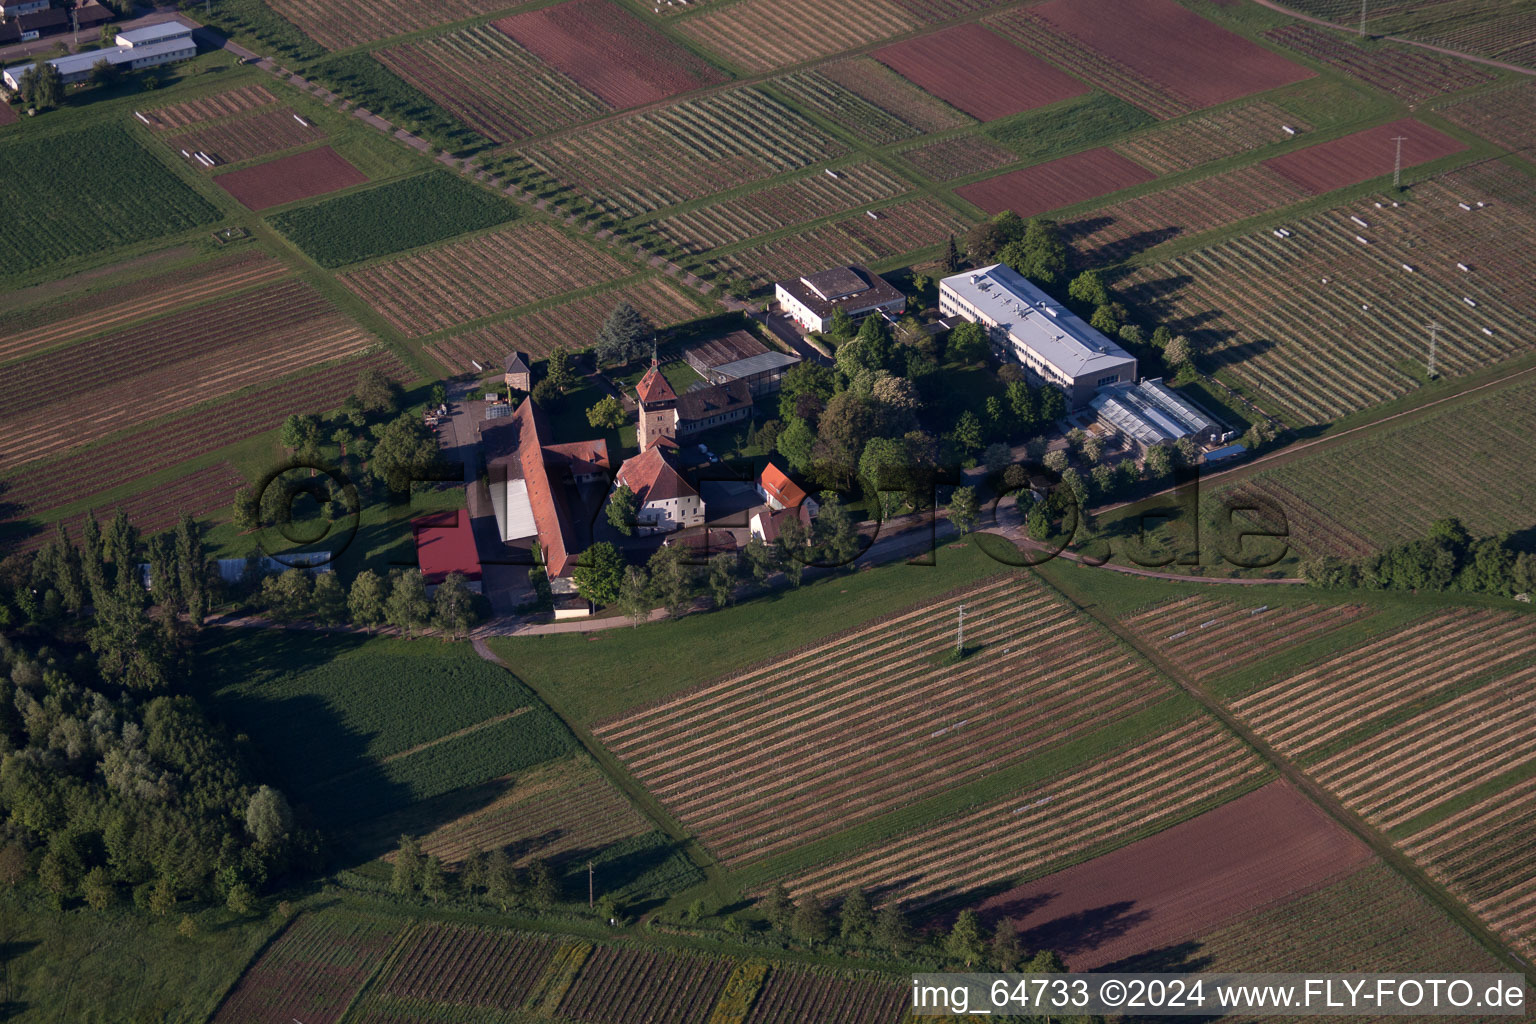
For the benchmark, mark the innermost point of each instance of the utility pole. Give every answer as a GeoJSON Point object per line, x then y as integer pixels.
{"type": "Point", "coordinates": [1362, 18]}
{"type": "Point", "coordinates": [1397, 166]}
{"type": "Point", "coordinates": [1434, 330]}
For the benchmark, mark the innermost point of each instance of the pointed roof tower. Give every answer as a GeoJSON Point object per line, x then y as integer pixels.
{"type": "Point", "coordinates": [653, 388]}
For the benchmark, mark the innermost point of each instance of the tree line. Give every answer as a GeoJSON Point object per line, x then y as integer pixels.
{"type": "Point", "coordinates": [1448, 558]}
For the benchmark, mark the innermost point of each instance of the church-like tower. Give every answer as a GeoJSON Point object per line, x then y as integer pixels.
{"type": "Point", "coordinates": [658, 407]}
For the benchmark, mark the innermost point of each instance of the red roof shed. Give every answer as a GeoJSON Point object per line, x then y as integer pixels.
{"type": "Point", "coordinates": [445, 543]}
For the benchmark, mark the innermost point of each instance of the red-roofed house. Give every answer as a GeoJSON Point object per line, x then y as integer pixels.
{"type": "Point", "coordinates": [766, 524]}
{"type": "Point", "coordinates": [664, 500]}
{"type": "Point", "coordinates": [445, 543]}
{"type": "Point", "coordinates": [533, 485]}
{"type": "Point", "coordinates": [665, 413]}
{"type": "Point", "coordinates": [780, 492]}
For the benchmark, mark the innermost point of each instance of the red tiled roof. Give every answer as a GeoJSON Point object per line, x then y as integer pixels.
{"type": "Point", "coordinates": [653, 387]}
{"type": "Point", "coordinates": [772, 521]}
{"type": "Point", "coordinates": [653, 478]}
{"type": "Point", "coordinates": [581, 456]}
{"type": "Point", "coordinates": [780, 487]}
{"type": "Point", "coordinates": [445, 543]}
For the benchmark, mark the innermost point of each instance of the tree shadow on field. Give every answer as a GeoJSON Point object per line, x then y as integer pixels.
{"type": "Point", "coordinates": [1072, 230]}
{"type": "Point", "coordinates": [1085, 930]}
{"type": "Point", "coordinates": [1179, 958]}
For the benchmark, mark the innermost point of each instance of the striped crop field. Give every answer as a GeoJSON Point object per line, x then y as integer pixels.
{"type": "Point", "coordinates": [893, 231]}
{"type": "Point", "coordinates": [245, 137]}
{"type": "Point", "coordinates": [1330, 320]}
{"type": "Point", "coordinates": [1204, 638]}
{"type": "Point", "coordinates": [343, 24]}
{"type": "Point", "coordinates": [1404, 71]}
{"type": "Point", "coordinates": [662, 301]}
{"type": "Point", "coordinates": [1486, 855]}
{"type": "Point", "coordinates": [466, 280]}
{"type": "Point", "coordinates": [765, 35]}
{"type": "Point", "coordinates": [1440, 754]}
{"type": "Point", "coordinates": [1370, 683]}
{"type": "Point", "coordinates": [1388, 489]}
{"type": "Point", "coordinates": [312, 972]}
{"type": "Point", "coordinates": [759, 213]}
{"type": "Point", "coordinates": [633, 985]}
{"type": "Point", "coordinates": [209, 108]}
{"type": "Point", "coordinates": [691, 149]}
{"type": "Point", "coordinates": [1153, 784]}
{"type": "Point", "coordinates": [543, 813]}
{"type": "Point", "coordinates": [465, 966]}
{"type": "Point", "coordinates": [166, 365]}
{"type": "Point", "coordinates": [1506, 116]}
{"type": "Point", "coordinates": [1223, 133]}
{"type": "Point", "coordinates": [871, 101]}
{"type": "Point", "coordinates": [959, 157]}
{"type": "Point", "coordinates": [485, 79]}
{"type": "Point", "coordinates": [770, 758]}
{"type": "Point", "coordinates": [1107, 73]}
{"type": "Point", "coordinates": [52, 323]}
{"type": "Point", "coordinates": [790, 996]}
{"type": "Point", "coordinates": [1124, 229]}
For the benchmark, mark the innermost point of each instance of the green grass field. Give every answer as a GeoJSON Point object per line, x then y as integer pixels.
{"type": "Point", "coordinates": [358, 727]}
{"type": "Point", "coordinates": [400, 215]}
{"type": "Point", "coordinates": [1090, 120]}
{"type": "Point", "coordinates": [117, 193]}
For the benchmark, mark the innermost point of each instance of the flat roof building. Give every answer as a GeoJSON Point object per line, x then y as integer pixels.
{"type": "Point", "coordinates": [149, 34]}
{"type": "Point", "coordinates": [1150, 413]}
{"type": "Point", "coordinates": [147, 53]}
{"type": "Point", "coordinates": [1054, 345]}
{"type": "Point", "coordinates": [445, 543]}
{"type": "Point", "coordinates": [811, 300]}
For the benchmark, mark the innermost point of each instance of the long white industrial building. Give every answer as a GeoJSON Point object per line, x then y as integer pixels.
{"type": "Point", "coordinates": [135, 49]}
{"type": "Point", "coordinates": [1053, 343]}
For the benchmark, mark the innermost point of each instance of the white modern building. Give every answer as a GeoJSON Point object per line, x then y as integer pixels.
{"type": "Point", "coordinates": [135, 49]}
{"type": "Point", "coordinates": [1054, 344]}
{"type": "Point", "coordinates": [810, 301]}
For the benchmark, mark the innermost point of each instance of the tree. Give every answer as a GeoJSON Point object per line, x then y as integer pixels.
{"type": "Point", "coordinates": [1105, 320]}
{"type": "Point", "coordinates": [635, 595]}
{"type": "Point", "coordinates": [240, 900]}
{"type": "Point", "coordinates": [1177, 352]}
{"type": "Point", "coordinates": [247, 510]}
{"type": "Point", "coordinates": [790, 550]}
{"type": "Point", "coordinates": [624, 336]}
{"type": "Point", "coordinates": [1088, 290]}
{"type": "Point", "coordinates": [810, 922]}
{"type": "Point", "coordinates": [13, 865]}
{"type": "Point", "coordinates": [722, 577]}
{"type": "Point", "coordinates": [404, 452]}
{"type": "Point", "coordinates": [797, 443]}
{"type": "Point", "coordinates": [329, 599]}
{"type": "Point", "coordinates": [1039, 255]}
{"type": "Point", "coordinates": [891, 928]}
{"type": "Point", "coordinates": [365, 601]}
{"type": "Point", "coordinates": [1092, 448]}
{"type": "Point", "coordinates": [963, 509]}
{"type": "Point", "coordinates": [547, 394]}
{"type": "Point", "coordinates": [288, 595]}
{"type": "Point", "coordinates": [986, 239]}
{"type": "Point", "coordinates": [841, 326]}
{"type": "Point", "coordinates": [967, 432]}
{"type": "Point", "coordinates": [1159, 461]}
{"type": "Point", "coordinates": [777, 907]}
{"type": "Point", "coordinates": [1053, 404]}
{"type": "Point", "coordinates": [375, 392]}
{"type": "Point", "coordinates": [623, 507]}
{"type": "Point", "coordinates": [1006, 951]}
{"type": "Point", "coordinates": [407, 608]}
{"type": "Point", "coordinates": [105, 73]}
{"type": "Point", "coordinates": [42, 86]}
{"type": "Point", "coordinates": [834, 534]}
{"type": "Point", "coordinates": [453, 606]}
{"type": "Point", "coordinates": [97, 888]}
{"type": "Point", "coordinates": [434, 885]}
{"type": "Point", "coordinates": [543, 888]}
{"type": "Point", "coordinates": [672, 579]}
{"type": "Point", "coordinates": [996, 457]}
{"type": "Point", "coordinates": [967, 343]}
{"type": "Point", "coordinates": [761, 560]}
{"type": "Point", "coordinates": [268, 818]}
{"type": "Point", "coordinates": [1047, 961]}
{"type": "Point", "coordinates": [964, 942]}
{"type": "Point", "coordinates": [806, 380]}
{"type": "Point", "coordinates": [187, 927]}
{"type": "Point", "coordinates": [606, 414]}
{"type": "Point", "coordinates": [406, 877]}
{"type": "Point", "coordinates": [560, 370]}
{"type": "Point", "coordinates": [856, 919]}
{"type": "Point", "coordinates": [600, 575]}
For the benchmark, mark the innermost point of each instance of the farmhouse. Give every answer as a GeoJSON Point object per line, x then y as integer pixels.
{"type": "Point", "coordinates": [13, 8]}
{"type": "Point", "coordinates": [666, 414]}
{"type": "Point", "coordinates": [766, 524]}
{"type": "Point", "coordinates": [810, 301]}
{"type": "Point", "coordinates": [741, 356]}
{"type": "Point", "coordinates": [26, 27]}
{"type": "Point", "coordinates": [664, 499]}
{"type": "Point", "coordinates": [445, 543]}
{"type": "Point", "coordinates": [536, 488]}
{"type": "Point", "coordinates": [518, 372]}
{"type": "Point", "coordinates": [1150, 413]}
{"type": "Point", "coordinates": [780, 492]}
{"type": "Point", "coordinates": [135, 49]}
{"type": "Point", "coordinates": [1054, 345]}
